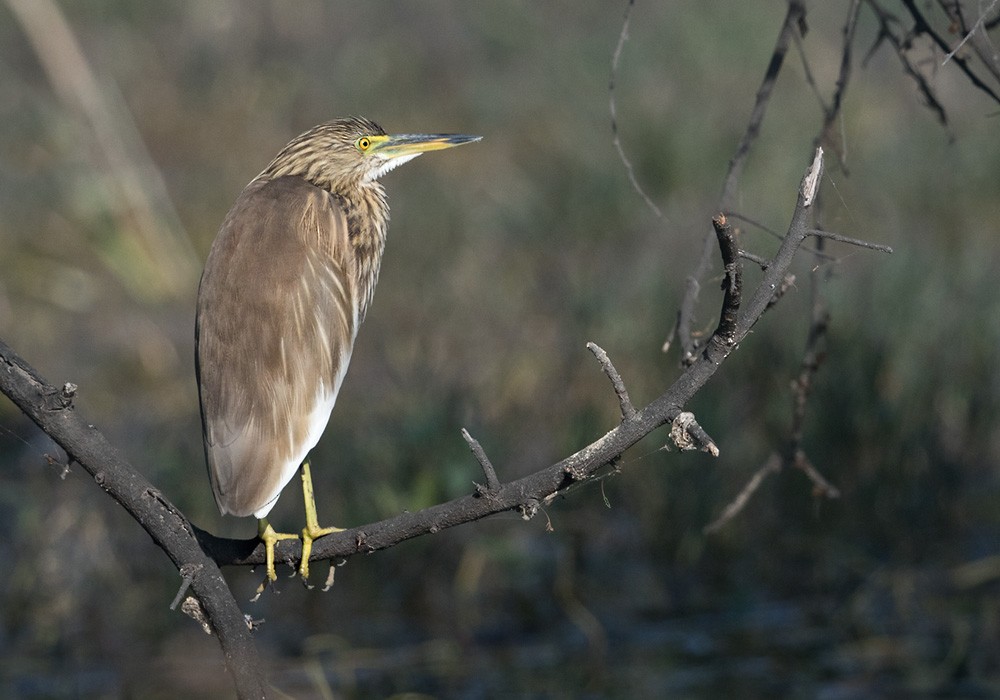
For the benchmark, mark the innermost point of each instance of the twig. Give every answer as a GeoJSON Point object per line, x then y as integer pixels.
{"type": "Point", "coordinates": [922, 26]}
{"type": "Point", "coordinates": [852, 241]}
{"type": "Point", "coordinates": [821, 487]}
{"type": "Point", "coordinates": [732, 284]}
{"type": "Point", "coordinates": [613, 108]}
{"type": "Point", "coordinates": [771, 466]}
{"type": "Point", "coordinates": [758, 260]}
{"type": "Point", "coordinates": [187, 573]}
{"type": "Point", "coordinates": [627, 409]}
{"type": "Point", "coordinates": [492, 482]}
{"type": "Point", "coordinates": [886, 20]}
{"type": "Point", "coordinates": [746, 219]}
{"type": "Point", "coordinates": [832, 113]}
{"type": "Point", "coordinates": [978, 34]}
{"type": "Point", "coordinates": [771, 232]}
{"type": "Point", "coordinates": [812, 359]}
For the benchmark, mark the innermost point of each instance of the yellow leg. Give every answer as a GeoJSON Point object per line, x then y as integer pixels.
{"type": "Point", "coordinates": [312, 530]}
{"type": "Point", "coordinates": [269, 537]}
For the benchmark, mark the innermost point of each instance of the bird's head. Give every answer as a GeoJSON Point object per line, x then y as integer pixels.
{"type": "Point", "coordinates": [345, 153]}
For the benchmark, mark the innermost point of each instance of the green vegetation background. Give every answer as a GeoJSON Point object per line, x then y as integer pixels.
{"type": "Point", "coordinates": [504, 259]}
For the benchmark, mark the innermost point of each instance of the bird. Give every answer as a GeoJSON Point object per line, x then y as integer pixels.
{"type": "Point", "coordinates": [287, 282]}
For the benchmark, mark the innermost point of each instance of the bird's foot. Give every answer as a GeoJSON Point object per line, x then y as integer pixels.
{"type": "Point", "coordinates": [269, 537]}
{"type": "Point", "coordinates": [312, 531]}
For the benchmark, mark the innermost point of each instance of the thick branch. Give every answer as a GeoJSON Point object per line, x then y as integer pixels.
{"type": "Point", "coordinates": [52, 410]}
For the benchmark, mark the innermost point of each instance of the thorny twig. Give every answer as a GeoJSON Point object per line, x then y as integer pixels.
{"type": "Point", "coordinates": [624, 402]}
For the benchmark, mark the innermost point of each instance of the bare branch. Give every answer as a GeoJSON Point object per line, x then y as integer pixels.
{"type": "Point", "coordinates": [492, 482]}
{"type": "Point", "coordinates": [733, 282]}
{"type": "Point", "coordinates": [794, 19]}
{"type": "Point", "coordinates": [970, 32]}
{"type": "Point", "coordinates": [613, 108]}
{"type": "Point", "coordinates": [851, 241]}
{"type": "Point", "coordinates": [832, 113]}
{"type": "Point", "coordinates": [821, 487]}
{"type": "Point", "coordinates": [758, 260]}
{"type": "Point", "coordinates": [736, 506]}
{"type": "Point", "coordinates": [627, 409]}
{"type": "Point", "coordinates": [922, 26]}
{"type": "Point", "coordinates": [977, 34]}
{"type": "Point", "coordinates": [52, 410]}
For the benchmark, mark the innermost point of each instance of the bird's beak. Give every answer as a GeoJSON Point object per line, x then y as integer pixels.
{"type": "Point", "coordinates": [403, 145]}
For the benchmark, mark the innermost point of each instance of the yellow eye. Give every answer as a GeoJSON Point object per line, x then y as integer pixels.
{"type": "Point", "coordinates": [363, 143]}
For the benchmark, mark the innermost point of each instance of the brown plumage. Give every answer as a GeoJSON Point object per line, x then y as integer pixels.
{"type": "Point", "coordinates": [287, 283]}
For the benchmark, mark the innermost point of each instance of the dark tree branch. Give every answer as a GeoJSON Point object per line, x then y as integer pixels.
{"type": "Point", "coordinates": [828, 135]}
{"type": "Point", "coordinates": [795, 455]}
{"type": "Point", "coordinates": [976, 34]}
{"type": "Point", "coordinates": [922, 26]}
{"type": "Point", "coordinates": [732, 283]}
{"type": "Point", "coordinates": [902, 42]}
{"type": "Point", "coordinates": [812, 360]}
{"type": "Point", "coordinates": [53, 411]}
{"type": "Point", "coordinates": [901, 45]}
{"type": "Point", "coordinates": [758, 260]}
{"type": "Point", "coordinates": [793, 22]}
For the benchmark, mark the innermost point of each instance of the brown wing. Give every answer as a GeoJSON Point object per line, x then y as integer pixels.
{"type": "Point", "coordinates": [275, 328]}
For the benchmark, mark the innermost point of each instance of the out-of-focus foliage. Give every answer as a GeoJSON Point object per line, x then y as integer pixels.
{"type": "Point", "coordinates": [504, 259]}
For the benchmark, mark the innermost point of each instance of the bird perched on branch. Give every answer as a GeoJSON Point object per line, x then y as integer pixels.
{"type": "Point", "coordinates": [287, 283]}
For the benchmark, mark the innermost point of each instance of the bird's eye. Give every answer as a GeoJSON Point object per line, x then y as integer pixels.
{"type": "Point", "coordinates": [363, 143]}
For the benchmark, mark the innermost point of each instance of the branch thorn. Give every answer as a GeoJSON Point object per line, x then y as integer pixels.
{"type": "Point", "coordinates": [492, 482]}
{"type": "Point", "coordinates": [624, 402]}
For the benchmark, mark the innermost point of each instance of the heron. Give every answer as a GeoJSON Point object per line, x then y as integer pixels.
{"type": "Point", "coordinates": [287, 282]}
